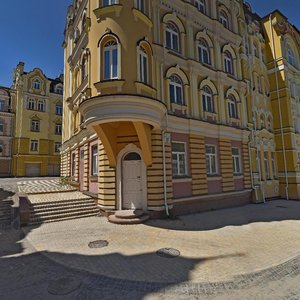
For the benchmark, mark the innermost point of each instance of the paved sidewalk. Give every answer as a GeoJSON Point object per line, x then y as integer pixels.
{"type": "Point", "coordinates": [252, 252]}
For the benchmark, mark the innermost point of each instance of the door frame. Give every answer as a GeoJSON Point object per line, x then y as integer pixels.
{"type": "Point", "coordinates": [128, 149]}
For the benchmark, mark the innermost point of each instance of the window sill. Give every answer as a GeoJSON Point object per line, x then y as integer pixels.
{"type": "Point", "coordinates": [143, 87]}
{"type": "Point", "coordinates": [140, 15]}
{"type": "Point", "coordinates": [238, 176]}
{"type": "Point", "coordinates": [115, 8]}
{"type": "Point", "coordinates": [114, 83]}
{"type": "Point", "coordinates": [93, 178]}
{"type": "Point", "coordinates": [180, 179]}
{"type": "Point", "coordinates": [213, 177]}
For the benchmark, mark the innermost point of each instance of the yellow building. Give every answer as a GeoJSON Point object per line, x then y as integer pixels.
{"type": "Point", "coordinates": [155, 114]}
{"type": "Point", "coordinates": [283, 65]}
{"type": "Point", "coordinates": [38, 123]}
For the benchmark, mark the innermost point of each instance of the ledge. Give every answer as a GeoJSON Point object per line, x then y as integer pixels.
{"type": "Point", "coordinates": [139, 15]}
{"type": "Point", "coordinates": [109, 84]}
{"type": "Point", "coordinates": [116, 8]}
{"type": "Point", "coordinates": [140, 86]}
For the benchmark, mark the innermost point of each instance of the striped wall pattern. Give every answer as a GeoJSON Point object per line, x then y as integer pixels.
{"type": "Point", "coordinates": [155, 172]}
{"type": "Point", "coordinates": [86, 167]}
{"type": "Point", "coordinates": [198, 165]}
{"type": "Point", "coordinates": [225, 154]}
{"type": "Point", "coordinates": [246, 166]}
{"type": "Point", "coordinates": [106, 181]}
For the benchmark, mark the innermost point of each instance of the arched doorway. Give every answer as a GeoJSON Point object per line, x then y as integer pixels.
{"type": "Point", "coordinates": [132, 180]}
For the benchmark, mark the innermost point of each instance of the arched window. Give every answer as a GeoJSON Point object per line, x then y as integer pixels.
{"type": "Point", "coordinates": [172, 37]}
{"type": "Point", "coordinates": [83, 68]}
{"type": "Point", "coordinates": [291, 56]}
{"type": "Point", "coordinates": [223, 18]}
{"type": "Point", "coordinates": [228, 63]}
{"type": "Point", "coordinates": [176, 90]}
{"type": "Point", "coordinates": [143, 65]}
{"type": "Point", "coordinates": [110, 60]}
{"type": "Point", "coordinates": [37, 84]}
{"type": "Point", "coordinates": [203, 49]}
{"type": "Point", "coordinates": [232, 107]}
{"type": "Point", "coordinates": [207, 100]}
{"type": "Point", "coordinates": [201, 5]}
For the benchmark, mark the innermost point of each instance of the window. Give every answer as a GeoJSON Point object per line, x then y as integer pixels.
{"type": "Point", "coordinates": [111, 60]}
{"type": "Point", "coordinates": [292, 89]}
{"type": "Point", "coordinates": [1, 150]}
{"type": "Point", "coordinates": [143, 61]}
{"type": "Point", "coordinates": [59, 90]}
{"type": "Point", "coordinates": [203, 49]}
{"type": "Point", "coordinates": [211, 160]}
{"type": "Point", "coordinates": [262, 122]}
{"type": "Point", "coordinates": [179, 159]}
{"type": "Point", "coordinates": [1, 127]}
{"type": "Point", "coordinates": [37, 84]}
{"type": "Point", "coordinates": [200, 4]}
{"type": "Point", "coordinates": [58, 128]}
{"type": "Point", "coordinates": [266, 163]}
{"type": "Point", "coordinates": [207, 100]}
{"type": "Point", "coordinates": [58, 109]}
{"type": "Point", "coordinates": [291, 57]}
{"type": "Point", "coordinates": [57, 147]}
{"type": "Point", "coordinates": [172, 37]}
{"type": "Point", "coordinates": [273, 165]}
{"type": "Point", "coordinates": [73, 164]}
{"type": "Point", "coordinates": [236, 161]}
{"type": "Point", "coordinates": [83, 69]}
{"type": "Point", "coordinates": [2, 105]}
{"type": "Point", "coordinates": [269, 123]}
{"type": "Point", "coordinates": [176, 90]}
{"type": "Point", "coordinates": [228, 63]}
{"type": "Point", "coordinates": [232, 109]}
{"type": "Point", "coordinates": [223, 19]}
{"type": "Point", "coordinates": [109, 2]}
{"type": "Point", "coordinates": [94, 167]}
{"type": "Point", "coordinates": [255, 50]}
{"type": "Point", "coordinates": [140, 5]}
{"type": "Point", "coordinates": [31, 104]}
{"type": "Point", "coordinates": [35, 125]}
{"type": "Point", "coordinates": [34, 144]}
{"type": "Point", "coordinates": [41, 105]}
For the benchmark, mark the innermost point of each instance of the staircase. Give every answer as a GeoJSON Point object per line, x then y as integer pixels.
{"type": "Point", "coordinates": [53, 207]}
{"type": "Point", "coordinates": [128, 217]}
{"type": "Point", "coordinates": [5, 208]}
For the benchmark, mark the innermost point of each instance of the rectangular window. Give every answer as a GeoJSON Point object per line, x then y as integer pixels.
{"type": "Point", "coordinates": [94, 167]}
{"type": "Point", "coordinates": [35, 125]}
{"type": "Point", "coordinates": [58, 110]}
{"type": "Point", "coordinates": [211, 160]}
{"type": "Point", "coordinates": [179, 159]}
{"type": "Point", "coordinates": [266, 163]}
{"type": "Point", "coordinates": [57, 147]}
{"type": "Point", "coordinates": [41, 105]}
{"type": "Point", "coordinates": [73, 164]}
{"type": "Point", "coordinates": [1, 128]}
{"type": "Point", "coordinates": [109, 2]}
{"type": "Point", "coordinates": [58, 128]}
{"type": "Point", "coordinates": [2, 105]}
{"type": "Point", "coordinates": [34, 144]}
{"type": "Point", "coordinates": [273, 165]}
{"type": "Point", "coordinates": [140, 5]}
{"type": "Point", "coordinates": [143, 67]}
{"type": "Point", "coordinates": [236, 161]}
{"type": "Point", "coordinates": [31, 104]}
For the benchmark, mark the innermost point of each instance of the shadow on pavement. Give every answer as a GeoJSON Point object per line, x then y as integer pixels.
{"type": "Point", "coordinates": [277, 210]}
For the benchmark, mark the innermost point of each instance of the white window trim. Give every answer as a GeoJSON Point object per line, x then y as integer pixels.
{"type": "Point", "coordinates": [111, 49]}
{"type": "Point", "coordinates": [175, 85]}
{"type": "Point", "coordinates": [211, 156]}
{"type": "Point", "coordinates": [207, 97]}
{"type": "Point", "coordinates": [173, 33]}
{"type": "Point", "coordinates": [36, 142]}
{"type": "Point", "coordinates": [94, 156]}
{"type": "Point", "coordinates": [143, 55]}
{"type": "Point", "coordinates": [236, 161]}
{"type": "Point", "coordinates": [178, 153]}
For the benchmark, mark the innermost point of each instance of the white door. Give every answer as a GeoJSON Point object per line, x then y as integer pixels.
{"type": "Point", "coordinates": [132, 182]}
{"type": "Point", "coordinates": [33, 170]}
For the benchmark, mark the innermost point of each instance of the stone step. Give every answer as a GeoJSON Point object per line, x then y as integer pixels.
{"type": "Point", "coordinates": [139, 220]}
{"type": "Point", "coordinates": [63, 203]}
{"type": "Point", "coordinates": [61, 207]}
{"type": "Point", "coordinates": [129, 214]}
{"type": "Point", "coordinates": [50, 213]}
{"type": "Point", "coordinates": [61, 217]}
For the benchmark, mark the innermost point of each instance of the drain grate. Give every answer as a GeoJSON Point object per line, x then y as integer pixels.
{"type": "Point", "coordinates": [98, 244]}
{"type": "Point", "coordinates": [64, 286]}
{"type": "Point", "coordinates": [168, 252]}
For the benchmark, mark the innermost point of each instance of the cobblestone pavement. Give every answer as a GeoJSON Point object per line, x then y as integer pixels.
{"type": "Point", "coordinates": [241, 253]}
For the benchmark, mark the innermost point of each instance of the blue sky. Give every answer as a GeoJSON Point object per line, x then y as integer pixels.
{"type": "Point", "coordinates": [32, 31]}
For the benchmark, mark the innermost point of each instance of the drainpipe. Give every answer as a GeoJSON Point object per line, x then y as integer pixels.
{"type": "Point", "coordinates": [280, 113]}
{"type": "Point", "coordinates": [165, 173]}
{"type": "Point", "coordinates": [251, 171]}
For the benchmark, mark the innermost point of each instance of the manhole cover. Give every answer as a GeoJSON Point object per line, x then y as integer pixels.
{"type": "Point", "coordinates": [98, 244]}
{"type": "Point", "coordinates": [64, 286]}
{"type": "Point", "coordinates": [168, 252]}
{"type": "Point", "coordinates": [281, 206]}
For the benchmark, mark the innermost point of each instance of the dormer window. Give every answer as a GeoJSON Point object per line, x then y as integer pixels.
{"type": "Point", "coordinates": [59, 90]}
{"type": "Point", "coordinates": [36, 84]}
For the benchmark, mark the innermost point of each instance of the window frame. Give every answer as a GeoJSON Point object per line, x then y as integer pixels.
{"type": "Point", "coordinates": [2, 127]}
{"type": "Point", "coordinates": [266, 166]}
{"type": "Point", "coordinates": [37, 84]}
{"type": "Point", "coordinates": [58, 128]}
{"type": "Point", "coordinates": [228, 63]}
{"type": "Point", "coordinates": [201, 6]}
{"type": "Point", "coordinates": [141, 6]}
{"type": "Point", "coordinates": [203, 48]}
{"type": "Point", "coordinates": [223, 18]}
{"type": "Point", "coordinates": [31, 102]}
{"type": "Point", "coordinates": [41, 106]}
{"type": "Point", "coordinates": [106, 3]}
{"type": "Point", "coordinates": [56, 146]}
{"type": "Point", "coordinates": [236, 161]}
{"type": "Point", "coordinates": [111, 47]}
{"type": "Point", "coordinates": [143, 65]}
{"type": "Point", "coordinates": [2, 105]}
{"type": "Point", "coordinates": [207, 96]}
{"type": "Point", "coordinates": [94, 160]}
{"type": "Point", "coordinates": [34, 145]}
{"type": "Point", "coordinates": [179, 162]}
{"type": "Point", "coordinates": [232, 103]}
{"type": "Point", "coordinates": [211, 157]}
{"type": "Point", "coordinates": [58, 109]}
{"type": "Point", "coordinates": [35, 125]}
{"type": "Point", "coordinates": [174, 33]}
{"type": "Point", "coordinates": [175, 85]}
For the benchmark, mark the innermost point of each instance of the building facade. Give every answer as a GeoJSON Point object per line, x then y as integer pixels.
{"type": "Point", "coordinates": [6, 131]}
{"type": "Point", "coordinates": [156, 111]}
{"type": "Point", "coordinates": [38, 105]}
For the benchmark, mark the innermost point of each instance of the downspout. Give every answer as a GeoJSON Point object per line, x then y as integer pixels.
{"type": "Point", "coordinates": [20, 132]}
{"type": "Point", "coordinates": [280, 113]}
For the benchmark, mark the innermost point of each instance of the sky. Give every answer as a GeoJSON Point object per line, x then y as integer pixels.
{"type": "Point", "coordinates": [32, 31]}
